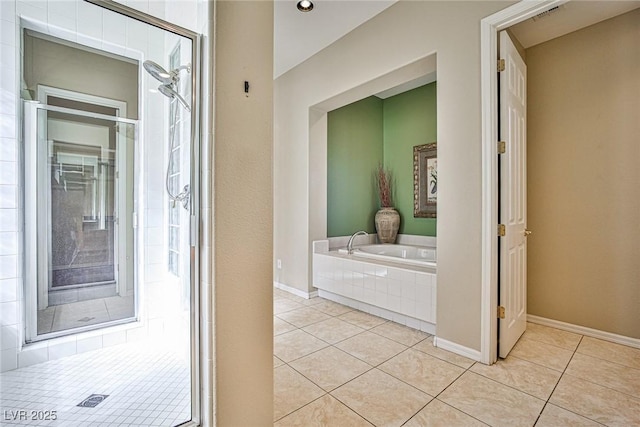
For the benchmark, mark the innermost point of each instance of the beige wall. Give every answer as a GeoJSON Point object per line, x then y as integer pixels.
{"type": "Point", "coordinates": [78, 69]}
{"type": "Point", "coordinates": [403, 33]}
{"type": "Point", "coordinates": [243, 220]}
{"type": "Point", "coordinates": [584, 179]}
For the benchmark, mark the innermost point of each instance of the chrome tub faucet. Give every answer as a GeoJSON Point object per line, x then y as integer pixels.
{"type": "Point", "coordinates": [350, 244]}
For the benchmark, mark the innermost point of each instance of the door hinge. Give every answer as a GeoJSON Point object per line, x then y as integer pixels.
{"type": "Point", "coordinates": [502, 147]}
{"type": "Point", "coordinates": [501, 312]}
{"type": "Point", "coordinates": [501, 65]}
{"type": "Point", "coordinates": [502, 230]}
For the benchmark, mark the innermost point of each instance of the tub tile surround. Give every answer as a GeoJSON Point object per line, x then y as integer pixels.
{"type": "Point", "coordinates": [402, 293]}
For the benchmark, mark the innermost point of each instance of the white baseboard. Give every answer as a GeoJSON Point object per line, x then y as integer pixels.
{"type": "Point", "coordinates": [583, 330]}
{"type": "Point", "coordinates": [295, 291]}
{"type": "Point", "coordinates": [457, 349]}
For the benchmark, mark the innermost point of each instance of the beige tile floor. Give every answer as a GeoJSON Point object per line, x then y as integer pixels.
{"type": "Point", "coordinates": [335, 366]}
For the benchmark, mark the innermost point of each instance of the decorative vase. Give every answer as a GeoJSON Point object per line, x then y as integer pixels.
{"type": "Point", "coordinates": [387, 224]}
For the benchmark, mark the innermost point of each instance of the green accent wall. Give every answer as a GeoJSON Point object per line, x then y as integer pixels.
{"type": "Point", "coordinates": [409, 119]}
{"type": "Point", "coordinates": [364, 134]}
{"type": "Point", "coordinates": [354, 150]}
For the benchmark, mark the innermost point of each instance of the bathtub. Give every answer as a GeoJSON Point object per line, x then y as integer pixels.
{"type": "Point", "coordinates": [396, 282]}
{"type": "Point", "coordinates": [403, 254]}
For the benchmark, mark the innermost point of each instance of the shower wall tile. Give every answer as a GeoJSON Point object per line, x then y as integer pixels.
{"type": "Point", "coordinates": [183, 13]}
{"type": "Point", "coordinates": [8, 220]}
{"type": "Point", "coordinates": [8, 173]}
{"type": "Point", "coordinates": [7, 11]}
{"type": "Point", "coordinates": [137, 36]}
{"type": "Point", "coordinates": [7, 33]}
{"type": "Point", "coordinates": [8, 146]}
{"type": "Point", "coordinates": [137, 334]}
{"type": "Point", "coordinates": [62, 349]}
{"type": "Point", "coordinates": [156, 53]}
{"type": "Point", "coordinates": [154, 218]}
{"type": "Point", "coordinates": [155, 200]}
{"type": "Point", "coordinates": [89, 41]}
{"type": "Point", "coordinates": [8, 123]}
{"type": "Point", "coordinates": [156, 180]}
{"type": "Point", "coordinates": [114, 28]}
{"type": "Point", "coordinates": [157, 9]}
{"type": "Point", "coordinates": [8, 337]}
{"type": "Point", "coordinates": [8, 267]}
{"type": "Point", "coordinates": [153, 274]}
{"type": "Point", "coordinates": [154, 236]}
{"type": "Point", "coordinates": [9, 313]}
{"type": "Point", "coordinates": [8, 108]}
{"type": "Point", "coordinates": [90, 20]}
{"type": "Point", "coordinates": [62, 22]}
{"type": "Point", "coordinates": [33, 9]}
{"type": "Point", "coordinates": [66, 8]}
{"type": "Point", "coordinates": [114, 48]}
{"type": "Point", "coordinates": [8, 358]}
{"type": "Point", "coordinates": [31, 356]}
{"type": "Point", "coordinates": [155, 255]}
{"type": "Point", "coordinates": [89, 343]}
{"type": "Point", "coordinates": [114, 338]}
{"type": "Point", "coordinates": [141, 5]}
{"type": "Point", "coordinates": [8, 243]}
{"type": "Point", "coordinates": [8, 290]}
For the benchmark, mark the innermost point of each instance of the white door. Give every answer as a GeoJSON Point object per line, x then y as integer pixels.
{"type": "Point", "coordinates": [513, 196]}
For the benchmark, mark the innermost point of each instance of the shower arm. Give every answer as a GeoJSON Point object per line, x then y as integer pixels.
{"type": "Point", "coordinates": [175, 73]}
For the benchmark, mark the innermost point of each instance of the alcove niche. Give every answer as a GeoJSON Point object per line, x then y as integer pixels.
{"type": "Point", "coordinates": [414, 75]}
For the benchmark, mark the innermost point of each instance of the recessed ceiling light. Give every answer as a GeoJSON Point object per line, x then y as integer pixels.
{"type": "Point", "coordinates": [305, 6]}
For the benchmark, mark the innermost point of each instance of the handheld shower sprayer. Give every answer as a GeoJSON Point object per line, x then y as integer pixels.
{"type": "Point", "coordinates": [169, 88]}
{"type": "Point", "coordinates": [169, 80]}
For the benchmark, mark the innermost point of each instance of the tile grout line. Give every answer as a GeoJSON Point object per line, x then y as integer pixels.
{"type": "Point", "coordinates": [468, 369]}
{"type": "Point", "coordinates": [372, 367]}
{"type": "Point", "coordinates": [558, 382]}
{"type": "Point", "coordinates": [465, 369]}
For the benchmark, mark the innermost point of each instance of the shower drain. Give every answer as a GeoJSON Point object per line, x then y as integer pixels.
{"type": "Point", "coordinates": [93, 400]}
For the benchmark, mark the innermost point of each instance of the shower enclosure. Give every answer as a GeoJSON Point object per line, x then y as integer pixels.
{"type": "Point", "coordinates": [109, 207]}
{"type": "Point", "coordinates": [105, 269]}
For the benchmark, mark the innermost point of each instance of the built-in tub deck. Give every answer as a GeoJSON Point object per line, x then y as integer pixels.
{"type": "Point", "coordinates": [395, 288]}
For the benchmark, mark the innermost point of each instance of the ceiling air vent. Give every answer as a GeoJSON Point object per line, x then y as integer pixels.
{"type": "Point", "coordinates": [547, 13]}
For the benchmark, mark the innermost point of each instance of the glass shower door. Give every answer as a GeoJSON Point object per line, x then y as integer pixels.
{"type": "Point", "coordinates": [81, 183]}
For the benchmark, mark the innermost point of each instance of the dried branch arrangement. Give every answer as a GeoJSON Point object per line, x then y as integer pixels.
{"type": "Point", "coordinates": [383, 184]}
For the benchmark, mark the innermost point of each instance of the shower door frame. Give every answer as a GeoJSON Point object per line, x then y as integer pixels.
{"type": "Point", "coordinates": [37, 265]}
{"type": "Point", "coordinates": [45, 286]}
{"type": "Point", "coordinates": [196, 305]}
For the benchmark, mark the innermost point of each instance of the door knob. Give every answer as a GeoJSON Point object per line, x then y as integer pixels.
{"type": "Point", "coordinates": [527, 232]}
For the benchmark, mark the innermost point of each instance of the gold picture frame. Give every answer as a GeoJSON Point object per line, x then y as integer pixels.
{"type": "Point", "coordinates": [425, 180]}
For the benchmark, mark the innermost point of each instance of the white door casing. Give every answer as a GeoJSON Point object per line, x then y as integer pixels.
{"type": "Point", "coordinates": [513, 196]}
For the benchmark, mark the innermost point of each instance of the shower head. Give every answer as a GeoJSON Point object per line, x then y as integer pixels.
{"type": "Point", "coordinates": [158, 72]}
{"type": "Point", "coordinates": [171, 93]}
{"type": "Point", "coordinates": [163, 76]}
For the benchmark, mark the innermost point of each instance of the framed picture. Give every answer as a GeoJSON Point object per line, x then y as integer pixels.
{"type": "Point", "coordinates": [425, 180]}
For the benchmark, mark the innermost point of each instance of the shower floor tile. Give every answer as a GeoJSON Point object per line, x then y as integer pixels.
{"type": "Point", "coordinates": [148, 383]}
